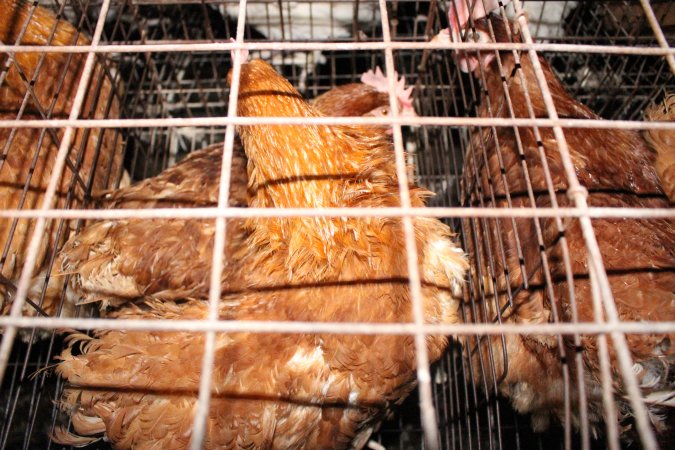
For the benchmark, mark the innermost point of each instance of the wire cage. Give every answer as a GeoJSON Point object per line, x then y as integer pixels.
{"type": "Point", "coordinates": [151, 87]}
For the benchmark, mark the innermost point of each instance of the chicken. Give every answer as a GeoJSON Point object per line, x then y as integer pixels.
{"type": "Point", "coordinates": [109, 258]}
{"type": "Point", "coordinates": [48, 81]}
{"type": "Point", "coordinates": [280, 390]}
{"type": "Point", "coordinates": [663, 143]}
{"type": "Point", "coordinates": [120, 247]}
{"type": "Point", "coordinates": [368, 98]}
{"type": "Point", "coordinates": [194, 181]}
{"type": "Point", "coordinates": [510, 260]}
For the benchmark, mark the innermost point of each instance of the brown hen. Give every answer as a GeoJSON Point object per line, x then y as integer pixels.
{"type": "Point", "coordinates": [370, 97]}
{"type": "Point", "coordinates": [108, 258]}
{"type": "Point", "coordinates": [639, 255]}
{"type": "Point", "coordinates": [269, 390]}
{"type": "Point", "coordinates": [663, 143]}
{"type": "Point", "coordinates": [48, 82]}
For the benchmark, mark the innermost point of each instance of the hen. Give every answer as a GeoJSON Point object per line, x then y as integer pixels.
{"type": "Point", "coordinates": [269, 390]}
{"type": "Point", "coordinates": [109, 258]}
{"type": "Point", "coordinates": [48, 83]}
{"type": "Point", "coordinates": [510, 260]}
{"type": "Point", "coordinates": [663, 143]}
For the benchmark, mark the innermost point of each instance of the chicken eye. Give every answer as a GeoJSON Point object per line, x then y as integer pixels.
{"type": "Point", "coordinates": [384, 112]}
{"type": "Point", "coordinates": [479, 36]}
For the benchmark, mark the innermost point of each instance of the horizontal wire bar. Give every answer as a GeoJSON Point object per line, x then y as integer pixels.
{"type": "Point", "coordinates": [400, 120]}
{"type": "Point", "coordinates": [336, 327]}
{"type": "Point", "coordinates": [237, 212]}
{"type": "Point", "coordinates": [182, 46]}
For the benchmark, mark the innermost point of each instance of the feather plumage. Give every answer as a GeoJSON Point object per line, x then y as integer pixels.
{"type": "Point", "coordinates": [639, 255]}
{"type": "Point", "coordinates": [108, 259]}
{"type": "Point", "coordinates": [663, 143]}
{"type": "Point", "coordinates": [290, 390]}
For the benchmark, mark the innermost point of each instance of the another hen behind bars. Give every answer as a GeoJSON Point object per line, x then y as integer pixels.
{"type": "Point", "coordinates": [48, 83]}
{"type": "Point", "coordinates": [639, 254]}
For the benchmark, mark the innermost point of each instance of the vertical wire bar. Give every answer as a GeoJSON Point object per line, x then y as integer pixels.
{"type": "Point", "coordinates": [428, 419]}
{"type": "Point", "coordinates": [456, 373]}
{"type": "Point", "coordinates": [658, 32]}
{"type": "Point", "coordinates": [579, 195]}
{"type": "Point", "coordinates": [568, 274]}
{"type": "Point", "coordinates": [204, 399]}
{"type": "Point", "coordinates": [470, 91]}
{"type": "Point", "coordinates": [605, 371]}
{"type": "Point", "coordinates": [59, 164]}
{"type": "Point", "coordinates": [544, 263]}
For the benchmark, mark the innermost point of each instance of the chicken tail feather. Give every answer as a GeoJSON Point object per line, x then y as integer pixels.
{"type": "Point", "coordinates": [62, 436]}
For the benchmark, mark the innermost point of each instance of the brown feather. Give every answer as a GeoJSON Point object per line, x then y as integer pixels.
{"type": "Point", "coordinates": [55, 66]}
{"type": "Point", "coordinates": [193, 182]}
{"type": "Point", "coordinates": [95, 156]}
{"type": "Point", "coordinates": [663, 143]}
{"type": "Point", "coordinates": [639, 255]}
{"type": "Point", "coordinates": [283, 390]}
{"type": "Point", "coordinates": [354, 99]}
{"type": "Point", "coordinates": [109, 257]}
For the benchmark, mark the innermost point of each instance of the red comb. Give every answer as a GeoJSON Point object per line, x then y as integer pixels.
{"type": "Point", "coordinates": [378, 80]}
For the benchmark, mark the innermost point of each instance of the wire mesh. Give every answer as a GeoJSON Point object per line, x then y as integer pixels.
{"type": "Point", "coordinates": [168, 85]}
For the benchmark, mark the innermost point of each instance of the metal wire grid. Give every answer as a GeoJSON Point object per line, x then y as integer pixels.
{"type": "Point", "coordinates": [170, 83]}
{"type": "Point", "coordinates": [628, 86]}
